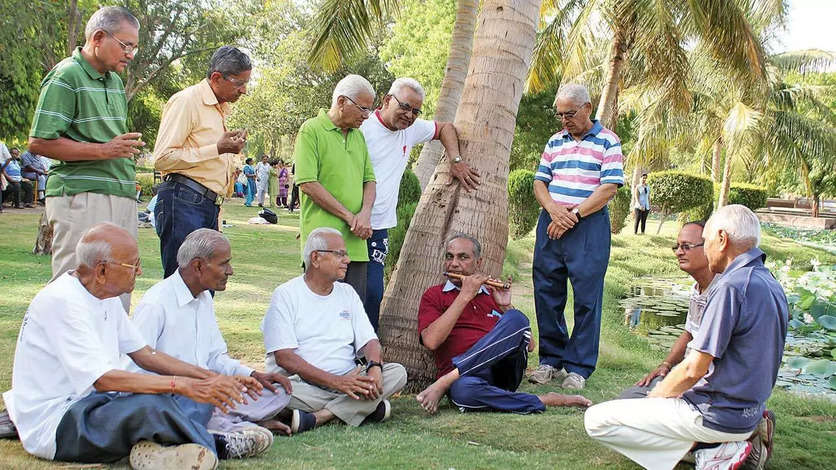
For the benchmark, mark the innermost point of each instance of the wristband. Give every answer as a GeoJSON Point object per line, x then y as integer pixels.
{"type": "Point", "coordinates": [666, 364]}
{"type": "Point", "coordinates": [373, 364]}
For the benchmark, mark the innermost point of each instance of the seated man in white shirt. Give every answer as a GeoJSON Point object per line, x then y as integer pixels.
{"type": "Point", "coordinates": [314, 329]}
{"type": "Point", "coordinates": [68, 397]}
{"type": "Point", "coordinates": [177, 316]}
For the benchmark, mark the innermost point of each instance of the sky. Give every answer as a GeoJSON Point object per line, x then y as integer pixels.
{"type": "Point", "coordinates": [810, 26]}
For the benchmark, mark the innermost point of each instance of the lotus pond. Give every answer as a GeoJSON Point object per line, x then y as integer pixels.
{"type": "Point", "coordinates": [657, 309]}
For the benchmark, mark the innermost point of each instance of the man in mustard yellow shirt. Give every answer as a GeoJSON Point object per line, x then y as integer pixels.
{"type": "Point", "coordinates": [195, 152]}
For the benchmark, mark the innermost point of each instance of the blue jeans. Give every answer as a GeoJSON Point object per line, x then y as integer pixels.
{"type": "Point", "coordinates": [492, 369]}
{"type": "Point", "coordinates": [378, 245]}
{"type": "Point", "coordinates": [179, 212]}
{"type": "Point", "coordinates": [580, 256]}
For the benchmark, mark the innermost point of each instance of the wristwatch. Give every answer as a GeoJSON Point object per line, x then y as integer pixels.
{"type": "Point", "coordinates": [373, 364]}
{"type": "Point", "coordinates": [457, 159]}
{"type": "Point", "coordinates": [577, 213]}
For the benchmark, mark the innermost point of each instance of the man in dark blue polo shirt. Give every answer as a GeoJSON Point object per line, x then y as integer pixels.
{"type": "Point", "coordinates": [718, 393]}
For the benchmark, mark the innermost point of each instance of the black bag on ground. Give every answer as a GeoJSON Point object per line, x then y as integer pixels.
{"type": "Point", "coordinates": [269, 216]}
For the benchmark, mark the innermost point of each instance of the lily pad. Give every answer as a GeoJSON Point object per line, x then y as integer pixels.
{"type": "Point", "coordinates": [827, 321]}
{"type": "Point", "coordinates": [797, 362]}
{"type": "Point", "coordinates": [820, 368]}
{"type": "Point", "coordinates": [832, 382]}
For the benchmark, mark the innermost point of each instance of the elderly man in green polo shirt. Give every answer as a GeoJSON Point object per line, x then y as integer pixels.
{"type": "Point", "coordinates": [80, 121]}
{"type": "Point", "coordinates": [335, 174]}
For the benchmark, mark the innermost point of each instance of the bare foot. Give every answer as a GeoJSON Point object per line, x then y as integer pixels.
{"type": "Point", "coordinates": [276, 426]}
{"type": "Point", "coordinates": [430, 397]}
{"type": "Point", "coordinates": [556, 399]}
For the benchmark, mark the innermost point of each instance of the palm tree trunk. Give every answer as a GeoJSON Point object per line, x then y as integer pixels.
{"type": "Point", "coordinates": [608, 105]}
{"type": "Point", "coordinates": [458, 61]}
{"type": "Point", "coordinates": [485, 122]}
{"type": "Point", "coordinates": [715, 159]}
{"type": "Point", "coordinates": [724, 188]}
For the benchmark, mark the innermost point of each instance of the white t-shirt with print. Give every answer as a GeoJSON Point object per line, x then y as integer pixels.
{"type": "Point", "coordinates": [324, 330]}
{"type": "Point", "coordinates": [389, 153]}
{"type": "Point", "coordinates": [68, 339]}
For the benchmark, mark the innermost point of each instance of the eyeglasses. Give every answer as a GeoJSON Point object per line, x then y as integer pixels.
{"type": "Point", "coordinates": [364, 109]}
{"type": "Point", "coordinates": [236, 82]}
{"type": "Point", "coordinates": [567, 114]}
{"type": "Point", "coordinates": [136, 267]}
{"type": "Point", "coordinates": [337, 253]}
{"type": "Point", "coordinates": [405, 107]}
{"type": "Point", "coordinates": [686, 247]}
{"type": "Point", "coordinates": [126, 48]}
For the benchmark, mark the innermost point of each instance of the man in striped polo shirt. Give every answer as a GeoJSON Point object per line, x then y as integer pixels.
{"type": "Point", "coordinates": [580, 171]}
{"type": "Point", "coordinates": [80, 121]}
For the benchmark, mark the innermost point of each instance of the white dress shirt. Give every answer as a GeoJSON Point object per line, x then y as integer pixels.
{"type": "Point", "coordinates": [173, 321]}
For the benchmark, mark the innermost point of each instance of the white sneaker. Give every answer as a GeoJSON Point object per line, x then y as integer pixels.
{"type": "Point", "coordinates": [573, 381]}
{"type": "Point", "coordinates": [147, 455]}
{"type": "Point", "coordinates": [247, 442]}
{"type": "Point", "coordinates": [726, 456]}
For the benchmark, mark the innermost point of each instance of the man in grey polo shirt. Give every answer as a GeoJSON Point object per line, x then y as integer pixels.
{"type": "Point", "coordinates": [718, 393]}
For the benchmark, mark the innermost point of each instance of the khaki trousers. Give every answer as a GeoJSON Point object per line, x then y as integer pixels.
{"type": "Point", "coordinates": [310, 398]}
{"type": "Point", "coordinates": [71, 216]}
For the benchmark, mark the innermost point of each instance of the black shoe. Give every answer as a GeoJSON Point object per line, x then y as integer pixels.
{"type": "Point", "coordinates": [380, 414]}
{"type": "Point", "coordinates": [7, 427]}
{"type": "Point", "coordinates": [302, 421]}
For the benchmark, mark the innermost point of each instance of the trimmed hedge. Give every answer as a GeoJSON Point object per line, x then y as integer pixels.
{"type": "Point", "coordinates": [523, 209]}
{"type": "Point", "coordinates": [397, 235]}
{"type": "Point", "coordinates": [749, 195]}
{"type": "Point", "coordinates": [620, 208]}
{"type": "Point", "coordinates": [410, 189]}
{"type": "Point", "coordinates": [677, 191]}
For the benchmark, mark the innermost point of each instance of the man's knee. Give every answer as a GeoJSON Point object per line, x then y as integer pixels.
{"type": "Point", "coordinates": [597, 420]}
{"type": "Point", "coordinates": [396, 373]}
{"type": "Point", "coordinates": [516, 319]}
{"type": "Point", "coordinates": [464, 388]}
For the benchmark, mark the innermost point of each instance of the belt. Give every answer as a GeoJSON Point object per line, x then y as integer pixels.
{"type": "Point", "coordinates": [195, 186]}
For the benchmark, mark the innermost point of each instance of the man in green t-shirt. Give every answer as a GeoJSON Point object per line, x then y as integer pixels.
{"type": "Point", "coordinates": [335, 175]}
{"type": "Point", "coordinates": [80, 121]}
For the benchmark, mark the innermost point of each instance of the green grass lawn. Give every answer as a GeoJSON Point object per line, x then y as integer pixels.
{"type": "Point", "coordinates": [266, 256]}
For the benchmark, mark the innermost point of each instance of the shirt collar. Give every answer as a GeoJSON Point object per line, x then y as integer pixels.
{"type": "Point", "coordinates": [327, 123]}
{"type": "Point", "coordinates": [448, 286]}
{"type": "Point", "coordinates": [594, 130]}
{"type": "Point", "coordinates": [92, 72]}
{"type": "Point", "coordinates": [181, 291]}
{"type": "Point", "coordinates": [745, 258]}
{"type": "Point", "coordinates": [208, 96]}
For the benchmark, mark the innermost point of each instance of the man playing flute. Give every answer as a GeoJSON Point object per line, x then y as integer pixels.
{"type": "Point", "coordinates": [480, 341]}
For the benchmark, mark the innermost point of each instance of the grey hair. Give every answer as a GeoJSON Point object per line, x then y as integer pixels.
{"type": "Point", "coordinates": [229, 60]}
{"type": "Point", "coordinates": [351, 86]}
{"type": "Point", "coordinates": [477, 247]}
{"type": "Point", "coordinates": [739, 222]}
{"type": "Point", "coordinates": [91, 253]}
{"type": "Point", "coordinates": [109, 19]}
{"type": "Point", "coordinates": [402, 82]}
{"type": "Point", "coordinates": [201, 243]}
{"type": "Point", "coordinates": [316, 241]}
{"type": "Point", "coordinates": [574, 92]}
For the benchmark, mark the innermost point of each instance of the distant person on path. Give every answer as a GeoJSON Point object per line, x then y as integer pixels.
{"type": "Point", "coordinates": [314, 330]}
{"type": "Point", "coordinates": [390, 135]}
{"type": "Point", "coordinates": [479, 340]}
{"type": "Point", "coordinates": [196, 153]}
{"type": "Point", "coordinates": [642, 208]}
{"type": "Point", "coordinates": [580, 171]}
{"type": "Point", "coordinates": [250, 190]}
{"type": "Point", "coordinates": [262, 179]}
{"type": "Point", "coordinates": [294, 193]}
{"type": "Point", "coordinates": [177, 316]}
{"type": "Point", "coordinates": [284, 183]}
{"type": "Point", "coordinates": [81, 121]}
{"type": "Point", "coordinates": [71, 398]}
{"type": "Point", "coordinates": [335, 174]}
{"type": "Point", "coordinates": [33, 169]}
{"type": "Point", "coordinates": [718, 393]}
{"type": "Point", "coordinates": [273, 189]}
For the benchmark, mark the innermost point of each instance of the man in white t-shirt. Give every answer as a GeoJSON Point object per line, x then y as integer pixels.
{"type": "Point", "coordinates": [314, 330]}
{"type": "Point", "coordinates": [177, 316]}
{"type": "Point", "coordinates": [390, 135]}
{"type": "Point", "coordinates": [71, 400]}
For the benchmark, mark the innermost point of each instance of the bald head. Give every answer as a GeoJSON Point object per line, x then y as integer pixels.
{"type": "Point", "coordinates": [105, 242]}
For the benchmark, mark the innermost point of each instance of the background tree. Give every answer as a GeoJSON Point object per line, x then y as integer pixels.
{"type": "Point", "coordinates": [493, 88]}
